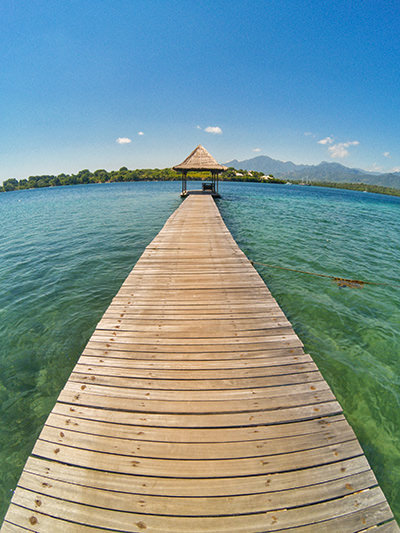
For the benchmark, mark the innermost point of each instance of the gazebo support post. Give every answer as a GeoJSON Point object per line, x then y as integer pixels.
{"type": "Point", "coordinates": [184, 185]}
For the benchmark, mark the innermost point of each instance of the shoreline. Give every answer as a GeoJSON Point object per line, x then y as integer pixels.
{"type": "Point", "coordinates": [85, 177]}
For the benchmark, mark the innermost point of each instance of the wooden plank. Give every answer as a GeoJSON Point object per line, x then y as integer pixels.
{"type": "Point", "coordinates": [89, 392]}
{"type": "Point", "coordinates": [269, 343]}
{"type": "Point", "coordinates": [253, 503]}
{"type": "Point", "coordinates": [270, 521]}
{"type": "Point", "coordinates": [187, 419]}
{"type": "Point", "coordinates": [76, 380]}
{"type": "Point", "coordinates": [186, 327]}
{"type": "Point", "coordinates": [184, 335]}
{"type": "Point", "coordinates": [163, 318]}
{"type": "Point", "coordinates": [195, 356]}
{"type": "Point", "coordinates": [180, 370]}
{"type": "Point", "coordinates": [87, 362]}
{"type": "Point", "coordinates": [112, 367]}
{"type": "Point", "coordinates": [247, 466]}
{"type": "Point", "coordinates": [127, 444]}
{"type": "Point", "coordinates": [271, 348]}
{"type": "Point", "coordinates": [210, 384]}
{"type": "Point", "coordinates": [200, 487]}
{"type": "Point", "coordinates": [83, 418]}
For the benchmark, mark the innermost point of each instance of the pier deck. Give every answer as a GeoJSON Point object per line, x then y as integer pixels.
{"type": "Point", "coordinates": [194, 408]}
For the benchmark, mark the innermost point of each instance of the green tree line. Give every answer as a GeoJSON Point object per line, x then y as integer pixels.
{"type": "Point", "coordinates": [167, 174]}
{"type": "Point", "coordinates": [352, 186]}
{"type": "Point", "coordinates": [86, 176]}
{"type": "Point", "coordinates": [123, 174]}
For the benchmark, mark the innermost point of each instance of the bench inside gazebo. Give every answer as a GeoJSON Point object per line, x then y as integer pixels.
{"type": "Point", "coordinates": [200, 161]}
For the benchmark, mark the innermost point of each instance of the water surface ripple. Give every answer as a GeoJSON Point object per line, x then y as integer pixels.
{"type": "Point", "coordinates": [65, 252]}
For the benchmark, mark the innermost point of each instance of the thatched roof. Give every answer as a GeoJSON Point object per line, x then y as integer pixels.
{"type": "Point", "coordinates": [199, 160]}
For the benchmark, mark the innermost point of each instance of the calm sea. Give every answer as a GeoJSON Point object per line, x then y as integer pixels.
{"type": "Point", "coordinates": [65, 252]}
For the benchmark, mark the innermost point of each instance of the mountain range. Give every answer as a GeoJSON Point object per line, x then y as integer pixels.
{"type": "Point", "coordinates": [325, 171]}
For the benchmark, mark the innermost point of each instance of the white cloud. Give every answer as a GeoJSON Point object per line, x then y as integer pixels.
{"type": "Point", "coordinates": [335, 149]}
{"type": "Point", "coordinates": [256, 149]}
{"type": "Point", "coordinates": [327, 140]}
{"type": "Point", "coordinates": [216, 130]}
{"type": "Point", "coordinates": [123, 140]}
{"type": "Point", "coordinates": [140, 133]}
{"type": "Point", "coordinates": [198, 127]}
{"type": "Point", "coordinates": [340, 150]}
{"type": "Point", "coordinates": [395, 169]}
{"type": "Point", "coordinates": [386, 154]}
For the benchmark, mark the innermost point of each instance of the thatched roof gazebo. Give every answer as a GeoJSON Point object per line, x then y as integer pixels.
{"type": "Point", "coordinates": [200, 161]}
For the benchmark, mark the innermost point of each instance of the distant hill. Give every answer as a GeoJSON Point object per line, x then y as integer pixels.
{"type": "Point", "coordinates": [332, 172]}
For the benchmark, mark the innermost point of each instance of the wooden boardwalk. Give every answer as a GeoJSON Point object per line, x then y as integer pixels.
{"type": "Point", "coordinates": [193, 408]}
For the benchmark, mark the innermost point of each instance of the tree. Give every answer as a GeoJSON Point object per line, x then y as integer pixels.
{"type": "Point", "coordinates": [83, 176]}
{"type": "Point", "coordinates": [10, 185]}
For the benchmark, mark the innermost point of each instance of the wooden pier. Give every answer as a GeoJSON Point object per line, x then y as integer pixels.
{"type": "Point", "coordinates": [193, 408]}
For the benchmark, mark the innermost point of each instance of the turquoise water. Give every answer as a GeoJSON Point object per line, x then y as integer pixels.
{"type": "Point", "coordinates": [64, 253]}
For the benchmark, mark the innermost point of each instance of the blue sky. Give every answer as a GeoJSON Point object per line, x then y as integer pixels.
{"type": "Point", "coordinates": [264, 77]}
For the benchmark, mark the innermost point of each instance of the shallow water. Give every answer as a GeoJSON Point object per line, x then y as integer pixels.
{"type": "Point", "coordinates": [64, 253]}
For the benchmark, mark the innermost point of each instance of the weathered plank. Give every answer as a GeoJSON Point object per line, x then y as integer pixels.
{"type": "Point", "coordinates": [350, 507]}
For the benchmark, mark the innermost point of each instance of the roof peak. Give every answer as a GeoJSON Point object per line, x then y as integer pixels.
{"type": "Point", "coordinates": [199, 159]}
